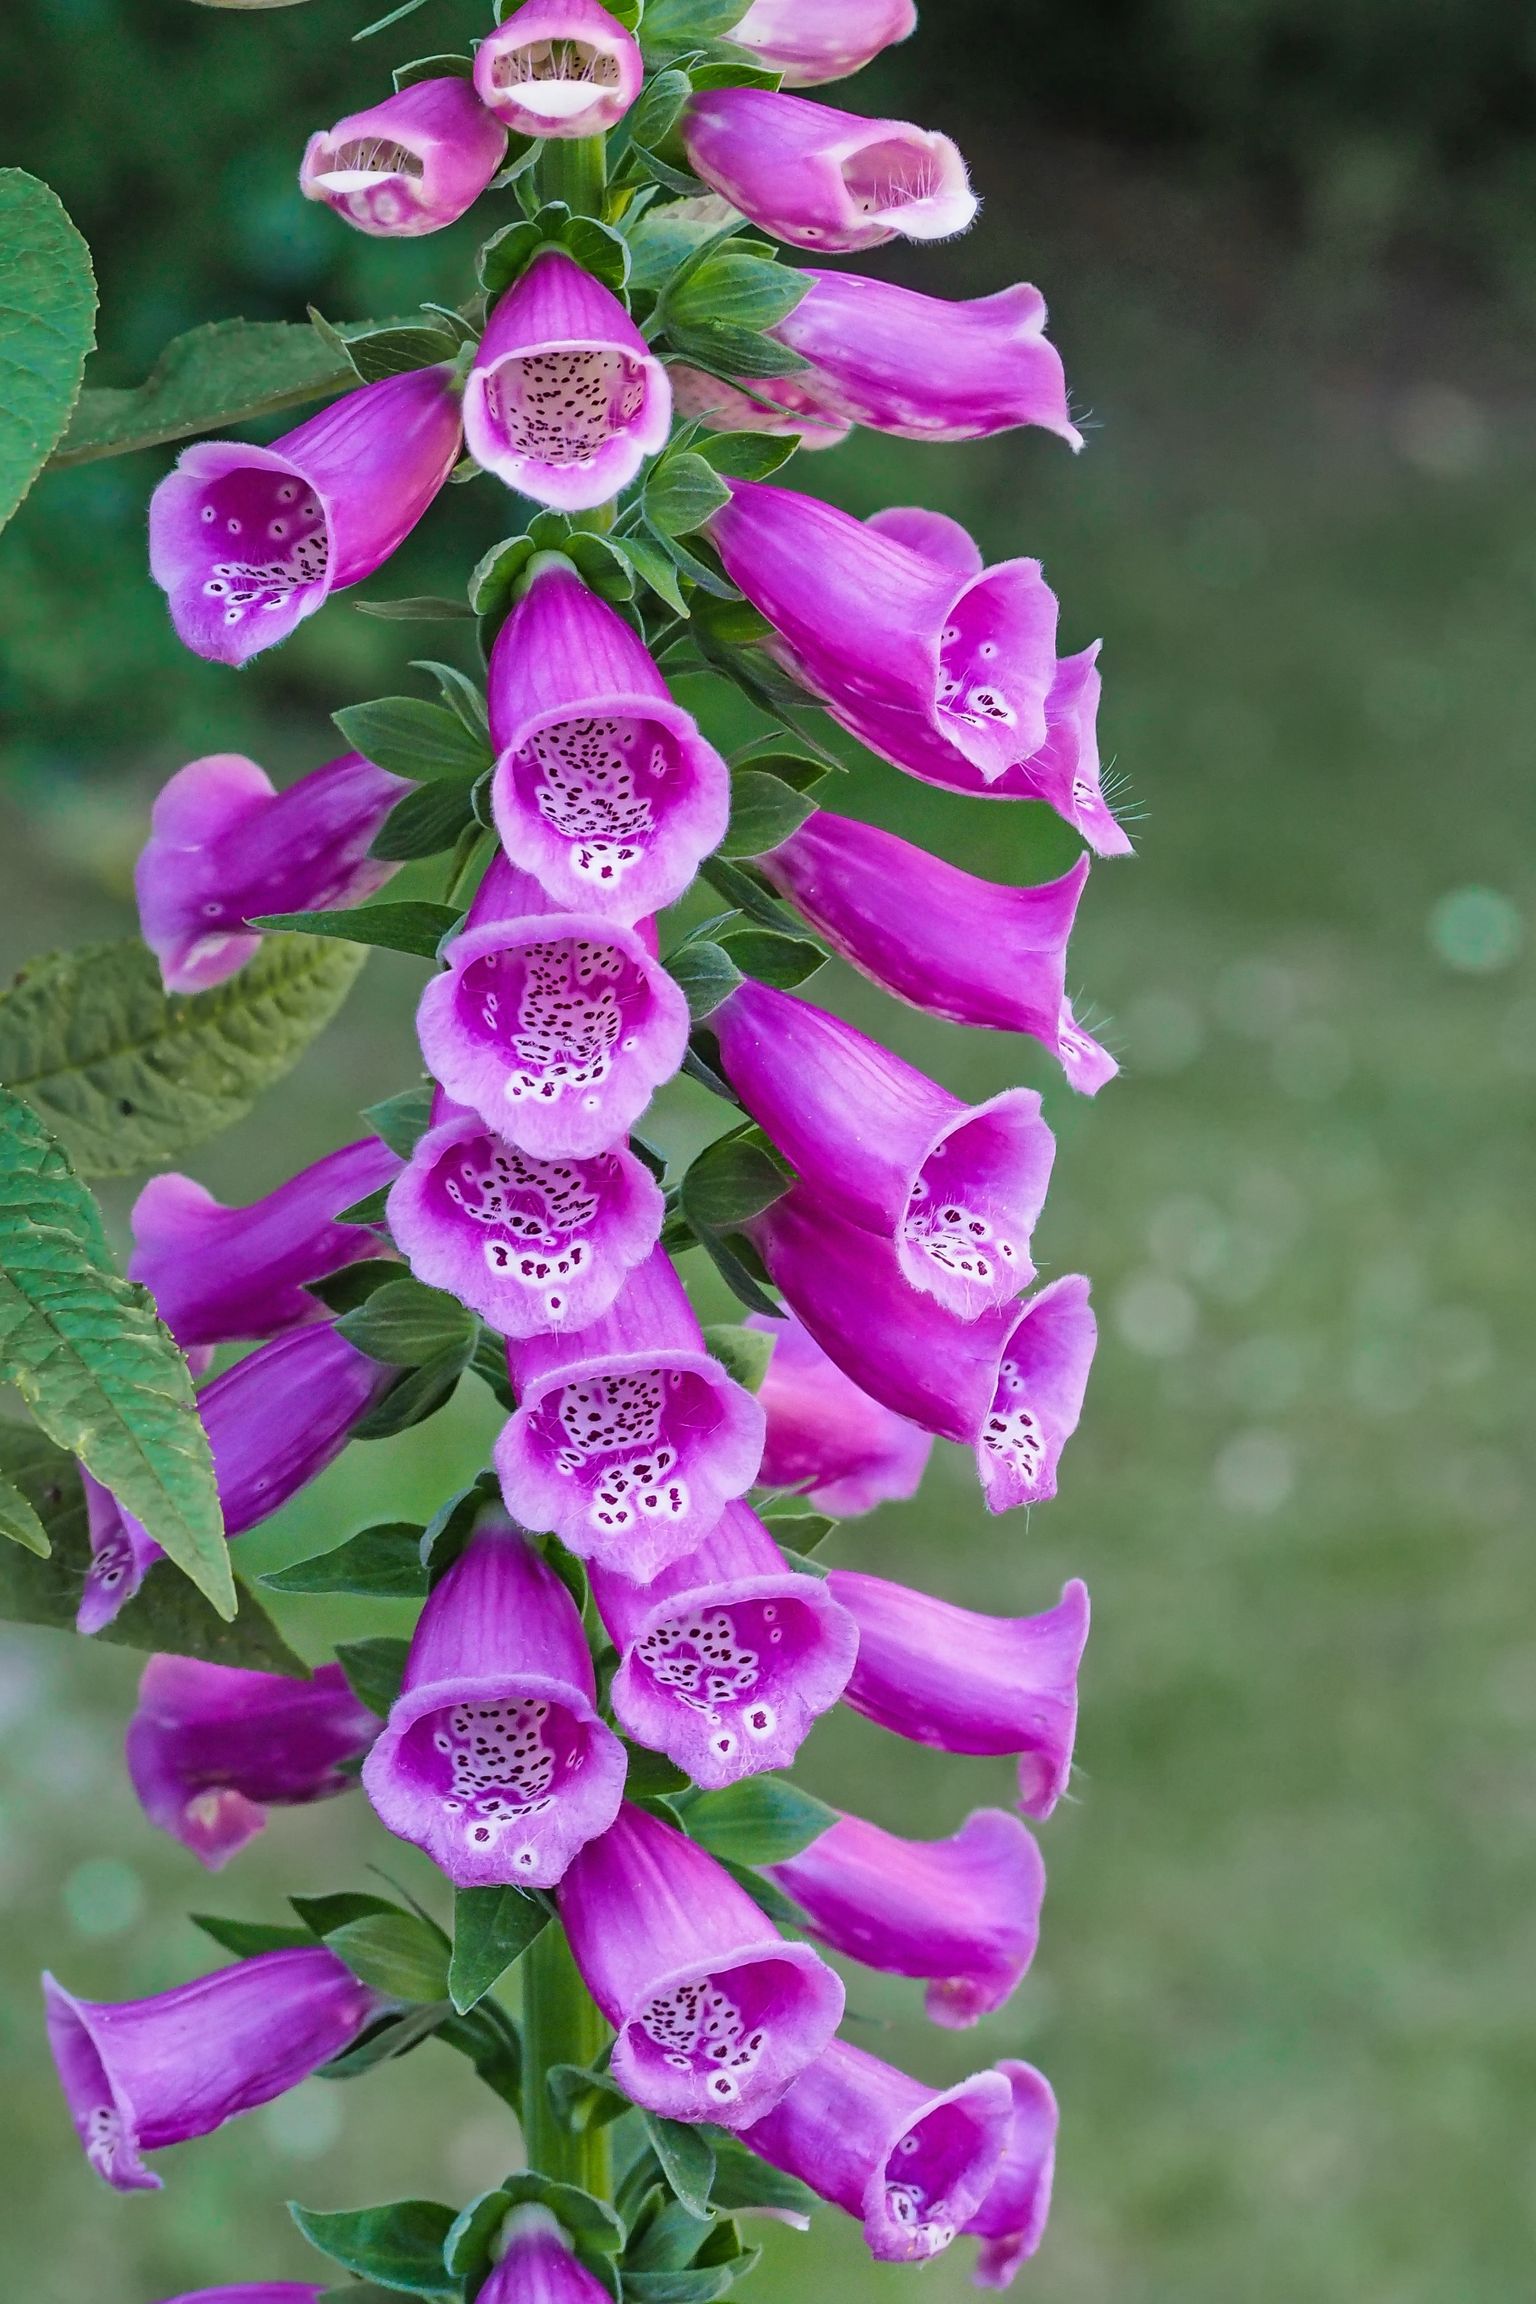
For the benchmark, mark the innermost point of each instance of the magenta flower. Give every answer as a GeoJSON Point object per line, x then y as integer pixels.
{"type": "Point", "coordinates": [141, 2074]}
{"type": "Point", "coordinates": [246, 542]}
{"type": "Point", "coordinates": [782, 404]}
{"type": "Point", "coordinates": [528, 1244]}
{"type": "Point", "coordinates": [810, 41]}
{"type": "Point", "coordinates": [210, 1749]}
{"type": "Point", "coordinates": [941, 939]}
{"type": "Point", "coordinates": [826, 1438]}
{"type": "Point", "coordinates": [263, 2292]}
{"type": "Point", "coordinates": [494, 1759]}
{"type": "Point", "coordinates": [559, 68]}
{"type": "Point", "coordinates": [1010, 2222]}
{"type": "Point", "coordinates": [912, 2163]}
{"type": "Point", "coordinates": [955, 1188]}
{"type": "Point", "coordinates": [726, 1657]}
{"type": "Point", "coordinates": [964, 1912]}
{"type": "Point", "coordinates": [274, 1421]}
{"type": "Point", "coordinates": [221, 1275]}
{"type": "Point", "coordinates": [225, 847]}
{"type": "Point", "coordinates": [566, 399]}
{"type": "Point", "coordinates": [410, 165]}
{"type": "Point", "coordinates": [604, 788]}
{"type": "Point", "coordinates": [554, 1026]}
{"type": "Point", "coordinates": [537, 2266]}
{"type": "Point", "coordinates": [826, 179]}
{"type": "Point", "coordinates": [715, 2014]}
{"type": "Point", "coordinates": [1008, 1384]}
{"type": "Point", "coordinates": [629, 1439]}
{"type": "Point", "coordinates": [942, 1675]}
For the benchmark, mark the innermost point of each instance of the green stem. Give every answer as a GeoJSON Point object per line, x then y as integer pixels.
{"type": "Point", "coordinates": [575, 169]}
{"type": "Point", "coordinates": [561, 2025]}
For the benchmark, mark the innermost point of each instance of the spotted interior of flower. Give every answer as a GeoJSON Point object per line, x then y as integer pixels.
{"type": "Point", "coordinates": [494, 1769]}
{"type": "Point", "coordinates": [724, 1663]}
{"type": "Point", "coordinates": [556, 70]}
{"type": "Point", "coordinates": [970, 1257]}
{"type": "Point", "coordinates": [1013, 1435]}
{"type": "Point", "coordinates": [106, 2133]}
{"type": "Point", "coordinates": [263, 538]}
{"type": "Point", "coordinates": [563, 407]}
{"type": "Point", "coordinates": [564, 1011]}
{"type": "Point", "coordinates": [372, 159]}
{"type": "Point", "coordinates": [927, 2168]}
{"type": "Point", "coordinates": [625, 1440]}
{"type": "Point", "coordinates": [973, 671]}
{"type": "Point", "coordinates": [716, 2029]}
{"type": "Point", "coordinates": [893, 176]}
{"type": "Point", "coordinates": [533, 1218]}
{"type": "Point", "coordinates": [599, 784]}
{"type": "Point", "coordinates": [966, 1230]}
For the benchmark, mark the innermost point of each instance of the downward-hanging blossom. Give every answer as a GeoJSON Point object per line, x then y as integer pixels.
{"type": "Point", "coordinates": [494, 1759]}
{"type": "Point", "coordinates": [824, 179]}
{"type": "Point", "coordinates": [810, 41]}
{"type": "Point", "coordinates": [559, 68]}
{"type": "Point", "coordinates": [536, 2265]}
{"type": "Point", "coordinates": [410, 165]}
{"type": "Point", "coordinates": [246, 542]}
{"type": "Point", "coordinates": [841, 1450]}
{"type": "Point", "coordinates": [141, 2074]}
{"type": "Point", "coordinates": [1010, 2223]}
{"type": "Point", "coordinates": [716, 2015]}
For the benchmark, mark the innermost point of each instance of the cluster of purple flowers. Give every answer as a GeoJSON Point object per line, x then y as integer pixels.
{"type": "Point", "coordinates": [901, 1247]}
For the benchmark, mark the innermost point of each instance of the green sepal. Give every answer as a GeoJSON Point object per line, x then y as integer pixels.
{"type": "Point", "coordinates": [406, 1324]}
{"type": "Point", "coordinates": [396, 1954]}
{"type": "Point", "coordinates": [379, 1563]}
{"type": "Point", "coordinates": [402, 1120]}
{"type": "Point", "coordinates": [416, 927]}
{"type": "Point", "coordinates": [374, 1669]}
{"type": "Point", "coordinates": [410, 737]}
{"type": "Point", "coordinates": [492, 1929]}
{"type": "Point", "coordinates": [399, 2244]}
{"type": "Point", "coordinates": [744, 1353]}
{"type": "Point", "coordinates": [764, 812]}
{"type": "Point", "coordinates": [760, 1820]}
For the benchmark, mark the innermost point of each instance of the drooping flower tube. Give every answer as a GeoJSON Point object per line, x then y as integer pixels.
{"type": "Point", "coordinates": [811, 41]}
{"type": "Point", "coordinates": [1010, 2223]}
{"type": "Point", "coordinates": [554, 1026]}
{"type": "Point", "coordinates": [826, 1438]}
{"type": "Point", "coordinates": [210, 1748]}
{"type": "Point", "coordinates": [559, 68]}
{"type": "Point", "coordinates": [727, 1657]}
{"type": "Point", "coordinates": [629, 1439]}
{"type": "Point", "coordinates": [566, 399]}
{"type": "Point", "coordinates": [222, 1275]}
{"type": "Point", "coordinates": [911, 2162]}
{"type": "Point", "coordinates": [824, 179]}
{"type": "Point", "coordinates": [955, 1188]}
{"type": "Point", "coordinates": [941, 939]}
{"type": "Point", "coordinates": [963, 1912]}
{"type": "Point", "coordinates": [141, 2074]}
{"type": "Point", "coordinates": [494, 1759]}
{"type": "Point", "coordinates": [528, 1244]}
{"type": "Point", "coordinates": [536, 2265]}
{"type": "Point", "coordinates": [1008, 1384]}
{"type": "Point", "coordinates": [274, 1421]}
{"type": "Point", "coordinates": [604, 788]}
{"type": "Point", "coordinates": [410, 165]}
{"type": "Point", "coordinates": [226, 847]}
{"type": "Point", "coordinates": [246, 542]}
{"type": "Point", "coordinates": [716, 2015]}
{"type": "Point", "coordinates": [945, 1676]}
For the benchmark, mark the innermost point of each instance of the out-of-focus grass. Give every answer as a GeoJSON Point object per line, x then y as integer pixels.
{"type": "Point", "coordinates": [1285, 1986]}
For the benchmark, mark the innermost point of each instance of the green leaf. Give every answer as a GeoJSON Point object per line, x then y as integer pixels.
{"type": "Point", "coordinates": [20, 1523]}
{"type": "Point", "coordinates": [805, 1531]}
{"type": "Point", "coordinates": [403, 1120]}
{"type": "Point", "coordinates": [492, 1927]}
{"type": "Point", "coordinates": [743, 2182]}
{"type": "Point", "coordinates": [406, 1324]}
{"type": "Point", "coordinates": [687, 24]}
{"type": "Point", "coordinates": [654, 116]}
{"type": "Point", "coordinates": [784, 961]}
{"type": "Point", "coordinates": [733, 292]}
{"type": "Point", "coordinates": [417, 608]}
{"type": "Point", "coordinates": [399, 2244]}
{"type": "Point", "coordinates": [129, 1076]}
{"type": "Point", "coordinates": [765, 1894]}
{"type": "Point", "coordinates": [322, 1914]}
{"type": "Point", "coordinates": [744, 1353]}
{"type": "Point", "coordinates": [653, 567]}
{"type": "Point", "coordinates": [744, 891]}
{"type": "Point", "coordinates": [733, 1180]}
{"type": "Point", "coordinates": [420, 1393]}
{"type": "Point", "coordinates": [764, 812]}
{"type": "Point", "coordinates": [248, 1938]}
{"type": "Point", "coordinates": [760, 1820]}
{"type": "Point", "coordinates": [47, 326]}
{"type": "Point", "coordinates": [413, 738]}
{"type": "Point", "coordinates": [681, 493]}
{"type": "Point", "coordinates": [681, 2287]}
{"type": "Point", "coordinates": [376, 353]}
{"type": "Point", "coordinates": [748, 455]}
{"type": "Point", "coordinates": [206, 381]}
{"type": "Point", "coordinates": [374, 1670]}
{"type": "Point", "coordinates": [740, 1268]}
{"type": "Point", "coordinates": [416, 927]}
{"type": "Point", "coordinates": [425, 822]}
{"type": "Point", "coordinates": [494, 575]}
{"type": "Point", "coordinates": [687, 2162]}
{"type": "Point", "coordinates": [93, 1363]}
{"type": "Point", "coordinates": [396, 1954]}
{"type": "Point", "coordinates": [380, 1563]}
{"type": "Point", "coordinates": [460, 694]}
{"type": "Point", "coordinates": [393, 2036]}
{"type": "Point", "coordinates": [432, 68]}
{"type": "Point", "coordinates": [706, 975]}
{"type": "Point", "coordinates": [651, 1776]}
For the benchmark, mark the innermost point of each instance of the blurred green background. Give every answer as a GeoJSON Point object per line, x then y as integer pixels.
{"type": "Point", "coordinates": [1287, 1987]}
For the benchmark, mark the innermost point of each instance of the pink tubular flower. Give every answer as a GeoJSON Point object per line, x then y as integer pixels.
{"type": "Point", "coordinates": [225, 847]}
{"type": "Point", "coordinates": [274, 1421]}
{"type": "Point", "coordinates": [210, 1749]}
{"type": "Point", "coordinates": [246, 542]}
{"type": "Point", "coordinates": [964, 1912]}
{"type": "Point", "coordinates": [604, 788]}
{"type": "Point", "coordinates": [715, 2014]}
{"type": "Point", "coordinates": [726, 1657]}
{"type": "Point", "coordinates": [629, 1440]}
{"type": "Point", "coordinates": [810, 41]}
{"type": "Point", "coordinates": [942, 1675]}
{"type": "Point", "coordinates": [566, 399]}
{"type": "Point", "coordinates": [407, 166]}
{"type": "Point", "coordinates": [140, 2074]}
{"type": "Point", "coordinates": [559, 68]}
{"type": "Point", "coordinates": [494, 1759]}
{"type": "Point", "coordinates": [941, 939]}
{"type": "Point", "coordinates": [955, 1188]}
{"type": "Point", "coordinates": [528, 1244]}
{"type": "Point", "coordinates": [825, 179]}
{"type": "Point", "coordinates": [1009, 1384]}
{"type": "Point", "coordinates": [781, 404]}
{"type": "Point", "coordinates": [1010, 2223]}
{"type": "Point", "coordinates": [826, 1438]}
{"type": "Point", "coordinates": [221, 1275]}
{"type": "Point", "coordinates": [911, 2162]}
{"type": "Point", "coordinates": [554, 1026]}
{"type": "Point", "coordinates": [537, 2266]}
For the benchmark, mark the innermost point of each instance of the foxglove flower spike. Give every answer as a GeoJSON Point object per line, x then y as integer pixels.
{"type": "Point", "coordinates": [823, 179]}
{"type": "Point", "coordinates": [410, 165]}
